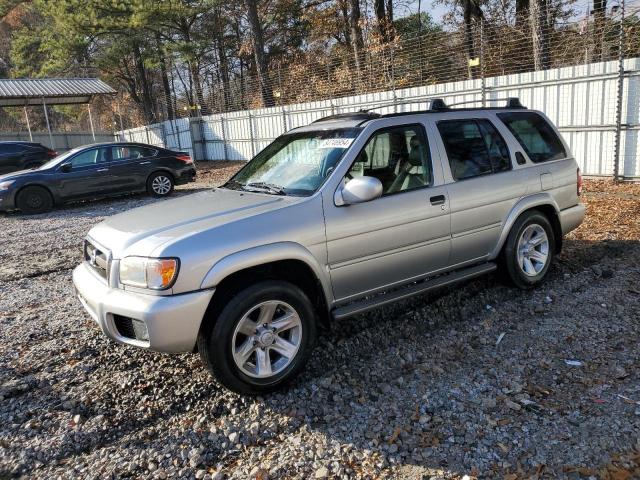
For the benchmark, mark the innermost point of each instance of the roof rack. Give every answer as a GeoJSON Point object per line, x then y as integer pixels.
{"type": "Point", "coordinates": [435, 105]}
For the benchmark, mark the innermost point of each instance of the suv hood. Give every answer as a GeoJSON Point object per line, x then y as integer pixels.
{"type": "Point", "coordinates": [142, 230]}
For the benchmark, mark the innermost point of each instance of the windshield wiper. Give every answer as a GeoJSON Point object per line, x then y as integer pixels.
{"type": "Point", "coordinates": [262, 186]}
{"type": "Point", "coordinates": [233, 185]}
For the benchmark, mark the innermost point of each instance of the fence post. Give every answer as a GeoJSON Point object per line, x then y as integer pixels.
{"type": "Point", "coordinates": [284, 119]}
{"type": "Point", "coordinates": [620, 87]}
{"type": "Point", "coordinates": [483, 85]}
{"type": "Point", "coordinates": [192, 135]}
{"type": "Point", "coordinates": [146, 131]}
{"type": "Point", "coordinates": [224, 138]}
{"type": "Point", "coordinates": [164, 134]}
{"type": "Point", "coordinates": [253, 147]}
{"type": "Point", "coordinates": [203, 140]}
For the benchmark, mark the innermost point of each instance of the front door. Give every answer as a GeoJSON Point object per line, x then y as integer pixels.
{"type": "Point", "coordinates": [399, 237]}
{"type": "Point", "coordinates": [85, 175]}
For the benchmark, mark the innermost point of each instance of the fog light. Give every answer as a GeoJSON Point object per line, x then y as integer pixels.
{"type": "Point", "coordinates": [140, 329]}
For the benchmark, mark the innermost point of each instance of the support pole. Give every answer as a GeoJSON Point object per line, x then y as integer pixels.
{"type": "Point", "coordinates": [26, 116]}
{"type": "Point", "coordinates": [46, 117]}
{"type": "Point", "coordinates": [620, 87]}
{"type": "Point", "coordinates": [93, 132]}
{"type": "Point", "coordinates": [121, 126]}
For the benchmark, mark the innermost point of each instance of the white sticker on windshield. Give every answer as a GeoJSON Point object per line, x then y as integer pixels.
{"type": "Point", "coordinates": [335, 143]}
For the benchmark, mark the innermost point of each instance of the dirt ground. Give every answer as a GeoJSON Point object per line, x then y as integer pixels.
{"type": "Point", "coordinates": [480, 380]}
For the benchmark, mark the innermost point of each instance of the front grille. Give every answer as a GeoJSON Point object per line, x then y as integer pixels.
{"type": "Point", "coordinates": [124, 325]}
{"type": "Point", "coordinates": [97, 258]}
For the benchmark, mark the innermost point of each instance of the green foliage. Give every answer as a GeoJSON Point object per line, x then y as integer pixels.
{"type": "Point", "coordinates": [416, 24]}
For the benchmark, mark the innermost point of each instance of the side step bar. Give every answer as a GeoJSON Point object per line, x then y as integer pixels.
{"type": "Point", "coordinates": [363, 306]}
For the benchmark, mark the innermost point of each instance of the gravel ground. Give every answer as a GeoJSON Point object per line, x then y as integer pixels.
{"type": "Point", "coordinates": [479, 381]}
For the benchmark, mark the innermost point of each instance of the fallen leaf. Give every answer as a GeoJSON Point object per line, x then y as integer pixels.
{"type": "Point", "coordinates": [395, 435]}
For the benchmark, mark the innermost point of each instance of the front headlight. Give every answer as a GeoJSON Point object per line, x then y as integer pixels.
{"type": "Point", "coordinates": [5, 185]}
{"type": "Point", "coordinates": [153, 273]}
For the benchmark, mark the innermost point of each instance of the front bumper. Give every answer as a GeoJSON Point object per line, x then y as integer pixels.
{"type": "Point", "coordinates": [7, 200]}
{"type": "Point", "coordinates": [572, 217]}
{"type": "Point", "coordinates": [172, 321]}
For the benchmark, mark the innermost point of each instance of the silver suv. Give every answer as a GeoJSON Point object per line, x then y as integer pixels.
{"type": "Point", "coordinates": [331, 220]}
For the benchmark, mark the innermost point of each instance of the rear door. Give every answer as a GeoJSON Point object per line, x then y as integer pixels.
{"type": "Point", "coordinates": [130, 166]}
{"type": "Point", "coordinates": [484, 182]}
{"type": "Point", "coordinates": [84, 175]}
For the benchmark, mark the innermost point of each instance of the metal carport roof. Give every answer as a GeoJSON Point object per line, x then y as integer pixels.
{"type": "Point", "coordinates": [51, 91]}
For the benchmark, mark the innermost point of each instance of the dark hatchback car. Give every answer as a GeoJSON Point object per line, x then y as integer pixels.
{"type": "Point", "coordinates": [95, 171]}
{"type": "Point", "coordinates": [16, 156]}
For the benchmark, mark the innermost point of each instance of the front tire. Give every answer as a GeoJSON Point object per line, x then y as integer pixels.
{"type": "Point", "coordinates": [32, 200]}
{"type": "Point", "coordinates": [160, 184]}
{"type": "Point", "coordinates": [529, 250]}
{"type": "Point", "coordinates": [261, 339]}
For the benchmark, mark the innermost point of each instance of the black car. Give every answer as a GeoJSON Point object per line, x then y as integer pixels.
{"type": "Point", "coordinates": [94, 171]}
{"type": "Point", "coordinates": [16, 156]}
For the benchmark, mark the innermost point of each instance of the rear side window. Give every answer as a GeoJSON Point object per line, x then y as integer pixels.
{"type": "Point", "coordinates": [535, 135]}
{"type": "Point", "coordinates": [126, 152]}
{"type": "Point", "coordinates": [474, 148]}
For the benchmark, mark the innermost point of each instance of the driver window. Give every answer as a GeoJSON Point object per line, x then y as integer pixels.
{"type": "Point", "coordinates": [398, 157]}
{"type": "Point", "coordinates": [89, 157]}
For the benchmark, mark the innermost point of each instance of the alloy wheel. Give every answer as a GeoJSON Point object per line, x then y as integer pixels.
{"type": "Point", "coordinates": [533, 250]}
{"type": "Point", "coordinates": [161, 185]}
{"type": "Point", "coordinates": [267, 339]}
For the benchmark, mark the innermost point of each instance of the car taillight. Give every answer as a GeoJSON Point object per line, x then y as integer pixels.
{"type": "Point", "coordinates": [579, 182]}
{"type": "Point", "coordinates": [184, 158]}
{"type": "Point", "coordinates": [52, 154]}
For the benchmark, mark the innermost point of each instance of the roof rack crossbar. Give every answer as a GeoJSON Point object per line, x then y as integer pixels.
{"type": "Point", "coordinates": [435, 103]}
{"type": "Point", "coordinates": [511, 102]}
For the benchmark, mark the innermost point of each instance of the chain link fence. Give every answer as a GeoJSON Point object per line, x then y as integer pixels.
{"type": "Point", "coordinates": [585, 75]}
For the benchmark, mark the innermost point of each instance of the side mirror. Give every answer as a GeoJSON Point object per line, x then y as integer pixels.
{"type": "Point", "coordinates": [358, 190]}
{"type": "Point", "coordinates": [66, 168]}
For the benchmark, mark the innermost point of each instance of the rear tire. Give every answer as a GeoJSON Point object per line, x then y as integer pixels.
{"type": "Point", "coordinates": [32, 200]}
{"type": "Point", "coordinates": [160, 184]}
{"type": "Point", "coordinates": [529, 250]}
{"type": "Point", "coordinates": [261, 338]}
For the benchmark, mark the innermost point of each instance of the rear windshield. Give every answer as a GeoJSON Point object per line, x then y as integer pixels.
{"type": "Point", "coordinates": [535, 135]}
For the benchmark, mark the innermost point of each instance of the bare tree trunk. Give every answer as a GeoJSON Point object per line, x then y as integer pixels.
{"type": "Point", "coordinates": [165, 78]}
{"type": "Point", "coordinates": [539, 19]}
{"type": "Point", "coordinates": [522, 14]}
{"type": "Point", "coordinates": [194, 71]}
{"type": "Point", "coordinates": [357, 43]}
{"type": "Point", "coordinates": [389, 23]}
{"type": "Point", "coordinates": [346, 26]}
{"type": "Point", "coordinates": [471, 12]}
{"type": "Point", "coordinates": [378, 6]}
{"type": "Point", "coordinates": [599, 17]}
{"type": "Point", "coordinates": [141, 73]}
{"type": "Point", "coordinates": [257, 40]}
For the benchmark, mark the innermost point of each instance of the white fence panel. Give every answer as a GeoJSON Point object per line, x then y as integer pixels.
{"type": "Point", "coordinates": [581, 100]}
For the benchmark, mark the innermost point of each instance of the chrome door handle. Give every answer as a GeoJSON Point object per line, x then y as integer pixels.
{"type": "Point", "coordinates": [144, 163]}
{"type": "Point", "coordinates": [102, 170]}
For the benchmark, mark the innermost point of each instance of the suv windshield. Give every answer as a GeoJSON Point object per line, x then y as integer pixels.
{"type": "Point", "coordinates": [296, 163]}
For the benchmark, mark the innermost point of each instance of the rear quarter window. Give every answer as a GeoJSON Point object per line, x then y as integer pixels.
{"type": "Point", "coordinates": [535, 135]}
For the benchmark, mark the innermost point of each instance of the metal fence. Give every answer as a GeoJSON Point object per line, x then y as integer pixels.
{"type": "Point", "coordinates": [596, 107]}
{"type": "Point", "coordinates": [60, 142]}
